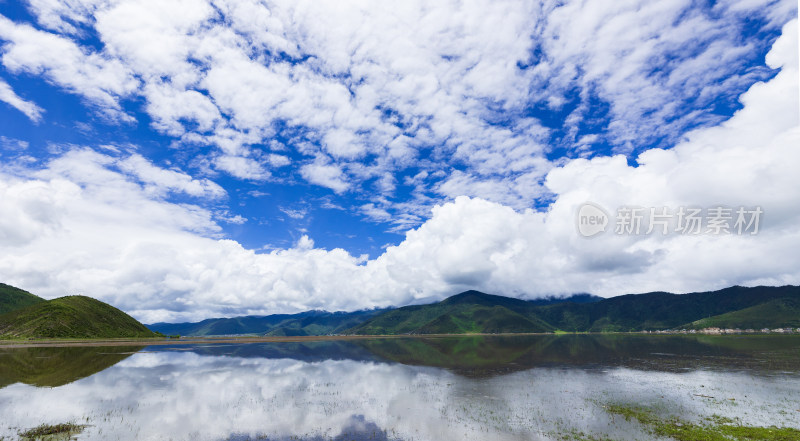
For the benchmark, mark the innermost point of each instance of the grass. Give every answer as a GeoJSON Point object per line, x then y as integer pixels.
{"type": "Point", "coordinates": [577, 435]}
{"type": "Point", "coordinates": [62, 431]}
{"type": "Point", "coordinates": [12, 299]}
{"type": "Point", "coordinates": [715, 429]}
{"type": "Point", "coordinates": [70, 317]}
{"type": "Point", "coordinates": [778, 313]}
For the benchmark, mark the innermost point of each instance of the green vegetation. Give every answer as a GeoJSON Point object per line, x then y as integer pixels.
{"type": "Point", "coordinates": [576, 435]}
{"type": "Point", "coordinates": [776, 313]}
{"type": "Point", "coordinates": [12, 299]}
{"type": "Point", "coordinates": [715, 428]}
{"type": "Point", "coordinates": [27, 316]}
{"type": "Point", "coordinates": [476, 312]}
{"type": "Point", "coordinates": [654, 311]}
{"type": "Point", "coordinates": [48, 432]}
{"type": "Point", "coordinates": [465, 313]}
{"type": "Point", "coordinates": [305, 323]}
{"type": "Point", "coordinates": [71, 317]}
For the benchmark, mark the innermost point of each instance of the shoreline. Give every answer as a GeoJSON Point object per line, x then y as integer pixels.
{"type": "Point", "coordinates": [11, 344]}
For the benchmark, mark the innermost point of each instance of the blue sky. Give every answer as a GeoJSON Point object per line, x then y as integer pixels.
{"type": "Point", "coordinates": [339, 126]}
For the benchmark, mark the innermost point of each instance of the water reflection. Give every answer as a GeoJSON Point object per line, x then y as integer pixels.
{"type": "Point", "coordinates": [487, 356]}
{"type": "Point", "coordinates": [57, 366]}
{"type": "Point", "coordinates": [489, 389]}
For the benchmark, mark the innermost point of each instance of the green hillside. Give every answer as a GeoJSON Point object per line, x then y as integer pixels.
{"type": "Point", "coordinates": [71, 317]}
{"type": "Point", "coordinates": [476, 312]}
{"type": "Point", "coordinates": [12, 298]}
{"type": "Point", "coordinates": [465, 313]}
{"type": "Point", "coordinates": [778, 313]}
{"type": "Point", "coordinates": [658, 310]}
{"type": "Point", "coordinates": [301, 324]}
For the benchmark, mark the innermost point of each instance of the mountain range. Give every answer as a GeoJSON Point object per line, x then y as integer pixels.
{"type": "Point", "coordinates": [24, 315]}
{"type": "Point", "coordinates": [301, 324]}
{"type": "Point", "coordinates": [477, 312]}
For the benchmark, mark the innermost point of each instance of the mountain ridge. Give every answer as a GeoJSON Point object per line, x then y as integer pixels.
{"type": "Point", "coordinates": [466, 313]}
{"type": "Point", "coordinates": [13, 298]}
{"type": "Point", "coordinates": [70, 317]}
{"type": "Point", "coordinates": [313, 322]}
{"type": "Point", "coordinates": [470, 312]}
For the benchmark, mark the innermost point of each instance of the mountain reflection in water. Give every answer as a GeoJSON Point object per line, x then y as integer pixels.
{"type": "Point", "coordinates": [488, 388]}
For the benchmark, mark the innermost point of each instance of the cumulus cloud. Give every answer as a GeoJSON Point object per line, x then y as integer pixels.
{"type": "Point", "coordinates": [380, 89]}
{"type": "Point", "coordinates": [241, 167]}
{"type": "Point", "coordinates": [326, 175]}
{"type": "Point", "coordinates": [87, 222]}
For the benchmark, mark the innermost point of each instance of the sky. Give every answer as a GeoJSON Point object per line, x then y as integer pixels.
{"type": "Point", "coordinates": [207, 158]}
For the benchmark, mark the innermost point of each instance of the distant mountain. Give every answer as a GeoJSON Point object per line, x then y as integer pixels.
{"type": "Point", "coordinates": [70, 317]}
{"type": "Point", "coordinates": [778, 313]}
{"type": "Point", "coordinates": [468, 312]}
{"type": "Point", "coordinates": [12, 298]}
{"type": "Point", "coordinates": [660, 310]}
{"type": "Point", "coordinates": [476, 312]}
{"type": "Point", "coordinates": [304, 323]}
{"type": "Point", "coordinates": [24, 315]}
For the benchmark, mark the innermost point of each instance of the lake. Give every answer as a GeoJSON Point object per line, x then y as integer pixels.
{"type": "Point", "coordinates": [565, 387]}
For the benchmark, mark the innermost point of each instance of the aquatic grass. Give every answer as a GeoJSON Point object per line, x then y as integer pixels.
{"type": "Point", "coordinates": [717, 428]}
{"type": "Point", "coordinates": [52, 431]}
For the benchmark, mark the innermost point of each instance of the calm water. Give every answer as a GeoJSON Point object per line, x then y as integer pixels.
{"type": "Point", "coordinates": [482, 388]}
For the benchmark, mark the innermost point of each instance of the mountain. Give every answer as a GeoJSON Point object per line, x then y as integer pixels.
{"type": "Point", "coordinates": [778, 313]}
{"type": "Point", "coordinates": [468, 312]}
{"type": "Point", "coordinates": [71, 317]}
{"type": "Point", "coordinates": [304, 323]}
{"type": "Point", "coordinates": [476, 312]}
{"type": "Point", "coordinates": [325, 323]}
{"type": "Point", "coordinates": [25, 315]}
{"type": "Point", "coordinates": [12, 298]}
{"type": "Point", "coordinates": [660, 310]}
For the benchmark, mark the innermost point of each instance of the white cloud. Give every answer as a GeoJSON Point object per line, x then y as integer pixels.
{"type": "Point", "coordinates": [241, 167]}
{"type": "Point", "coordinates": [227, 217]}
{"type": "Point", "coordinates": [326, 175]}
{"type": "Point", "coordinates": [64, 15]}
{"type": "Point", "coordinates": [29, 108]}
{"type": "Point", "coordinates": [159, 180]}
{"type": "Point", "coordinates": [297, 213]}
{"type": "Point", "coordinates": [13, 144]}
{"type": "Point", "coordinates": [182, 395]}
{"type": "Point", "coordinates": [375, 86]}
{"type": "Point", "coordinates": [278, 160]}
{"type": "Point", "coordinates": [84, 224]}
{"type": "Point", "coordinates": [100, 79]}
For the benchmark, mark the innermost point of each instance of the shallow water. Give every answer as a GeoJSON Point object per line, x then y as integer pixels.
{"type": "Point", "coordinates": [483, 388]}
